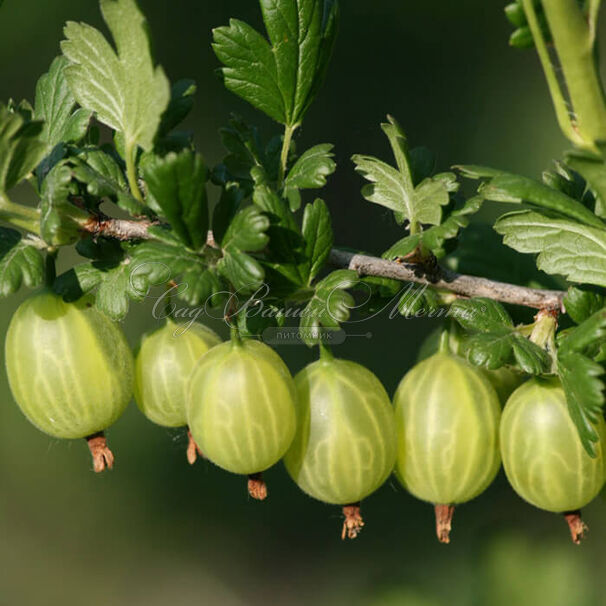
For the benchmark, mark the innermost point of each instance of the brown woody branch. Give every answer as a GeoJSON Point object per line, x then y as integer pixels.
{"type": "Point", "coordinates": [459, 284]}
{"type": "Point", "coordinates": [120, 229]}
{"type": "Point", "coordinates": [443, 279]}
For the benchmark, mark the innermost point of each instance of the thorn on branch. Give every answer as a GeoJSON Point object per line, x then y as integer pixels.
{"type": "Point", "coordinates": [422, 264]}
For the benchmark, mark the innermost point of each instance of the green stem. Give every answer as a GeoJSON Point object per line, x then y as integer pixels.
{"type": "Point", "coordinates": [543, 330]}
{"type": "Point", "coordinates": [20, 216]}
{"type": "Point", "coordinates": [592, 18]}
{"type": "Point", "coordinates": [559, 103]}
{"type": "Point", "coordinates": [50, 272]}
{"type": "Point", "coordinates": [289, 131]}
{"type": "Point", "coordinates": [444, 344]}
{"type": "Point", "coordinates": [573, 40]}
{"type": "Point", "coordinates": [168, 303]}
{"type": "Point", "coordinates": [234, 333]}
{"type": "Point", "coordinates": [325, 353]}
{"type": "Point", "coordinates": [543, 335]}
{"type": "Point", "coordinates": [131, 171]}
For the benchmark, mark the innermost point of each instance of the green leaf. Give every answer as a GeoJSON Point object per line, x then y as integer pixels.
{"type": "Point", "coordinates": [243, 271]}
{"type": "Point", "coordinates": [60, 220]}
{"type": "Point", "coordinates": [489, 350]}
{"type": "Point", "coordinates": [436, 236]}
{"type": "Point", "coordinates": [481, 314]}
{"type": "Point", "coordinates": [117, 289]}
{"type": "Point", "coordinates": [569, 182]}
{"type": "Point", "coordinates": [481, 252]}
{"type": "Point", "coordinates": [122, 273]}
{"type": "Point", "coordinates": [402, 247]}
{"type": "Point", "coordinates": [580, 375]}
{"type": "Point", "coordinates": [419, 300]}
{"type": "Point", "coordinates": [515, 14]}
{"type": "Point", "coordinates": [21, 148]}
{"type": "Point", "coordinates": [202, 287]}
{"type": "Point", "coordinates": [245, 151]}
{"type": "Point", "coordinates": [330, 305]}
{"type": "Point", "coordinates": [252, 323]}
{"type": "Point", "coordinates": [580, 304]}
{"type": "Point", "coordinates": [522, 37]}
{"type": "Point", "coordinates": [475, 171]}
{"type": "Point", "coordinates": [180, 105]}
{"type": "Point", "coordinates": [494, 341]}
{"type": "Point", "coordinates": [575, 251]}
{"type": "Point", "coordinates": [529, 357]}
{"type": "Point", "coordinates": [247, 230]}
{"type": "Point", "coordinates": [223, 214]}
{"type": "Point", "coordinates": [309, 172]}
{"type": "Point", "coordinates": [112, 275]}
{"type": "Point", "coordinates": [198, 280]}
{"type": "Point", "coordinates": [78, 281]}
{"type": "Point", "coordinates": [104, 178]}
{"type": "Point", "coordinates": [286, 249]}
{"type": "Point", "coordinates": [588, 335]}
{"type": "Point", "coordinates": [20, 262]}
{"type": "Point", "coordinates": [280, 77]}
{"type": "Point", "coordinates": [394, 188]}
{"type": "Point", "coordinates": [56, 106]}
{"type": "Point", "coordinates": [593, 170]}
{"type": "Point", "coordinates": [124, 88]}
{"type": "Point", "coordinates": [387, 187]}
{"type": "Point", "coordinates": [318, 236]}
{"type": "Point", "coordinates": [584, 394]}
{"type": "Point", "coordinates": [517, 189]}
{"type": "Point", "coordinates": [177, 185]}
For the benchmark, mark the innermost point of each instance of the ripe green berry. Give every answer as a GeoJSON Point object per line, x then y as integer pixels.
{"type": "Point", "coordinates": [543, 457]}
{"type": "Point", "coordinates": [163, 367]}
{"type": "Point", "coordinates": [241, 408]}
{"type": "Point", "coordinates": [505, 380]}
{"type": "Point", "coordinates": [69, 368]}
{"type": "Point", "coordinates": [447, 422]}
{"type": "Point", "coordinates": [345, 446]}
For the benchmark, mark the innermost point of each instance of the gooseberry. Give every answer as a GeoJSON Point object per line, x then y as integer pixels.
{"type": "Point", "coordinates": [241, 408]}
{"type": "Point", "coordinates": [543, 457]}
{"type": "Point", "coordinates": [163, 365]}
{"type": "Point", "coordinates": [447, 423]}
{"type": "Point", "coordinates": [345, 446]}
{"type": "Point", "coordinates": [70, 370]}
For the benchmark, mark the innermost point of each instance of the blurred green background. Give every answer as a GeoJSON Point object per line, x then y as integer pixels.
{"type": "Point", "coordinates": [155, 531]}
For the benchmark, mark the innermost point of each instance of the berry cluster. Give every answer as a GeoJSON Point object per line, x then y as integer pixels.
{"type": "Point", "coordinates": [72, 374]}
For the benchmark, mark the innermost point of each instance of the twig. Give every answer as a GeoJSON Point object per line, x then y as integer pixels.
{"type": "Point", "coordinates": [120, 229]}
{"type": "Point", "coordinates": [459, 284]}
{"type": "Point", "coordinates": [468, 286]}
